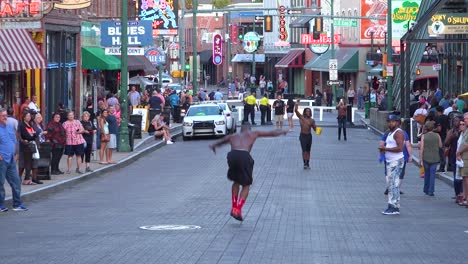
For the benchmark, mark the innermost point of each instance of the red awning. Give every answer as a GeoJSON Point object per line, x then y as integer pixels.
{"type": "Point", "coordinates": [293, 59]}
{"type": "Point", "coordinates": [18, 51]}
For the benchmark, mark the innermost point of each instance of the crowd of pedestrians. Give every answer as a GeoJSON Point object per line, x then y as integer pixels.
{"type": "Point", "coordinates": [443, 146]}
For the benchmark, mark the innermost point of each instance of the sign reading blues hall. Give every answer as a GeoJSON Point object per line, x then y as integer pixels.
{"type": "Point", "coordinates": [139, 33]}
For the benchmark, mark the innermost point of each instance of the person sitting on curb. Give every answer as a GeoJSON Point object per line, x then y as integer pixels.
{"type": "Point", "coordinates": [161, 129]}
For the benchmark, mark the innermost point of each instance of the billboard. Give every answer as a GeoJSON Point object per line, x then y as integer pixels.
{"type": "Point", "coordinates": [448, 24]}
{"type": "Point", "coordinates": [373, 8]}
{"type": "Point", "coordinates": [162, 13]}
{"type": "Point", "coordinates": [403, 13]}
{"type": "Point", "coordinates": [139, 33]}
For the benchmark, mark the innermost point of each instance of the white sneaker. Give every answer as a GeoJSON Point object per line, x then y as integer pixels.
{"type": "Point", "coordinates": [169, 142]}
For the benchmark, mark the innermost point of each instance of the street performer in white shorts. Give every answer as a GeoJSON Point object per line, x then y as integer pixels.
{"type": "Point", "coordinates": [241, 163]}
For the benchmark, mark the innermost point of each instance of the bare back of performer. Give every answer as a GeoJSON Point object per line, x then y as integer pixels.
{"type": "Point", "coordinates": [241, 163]}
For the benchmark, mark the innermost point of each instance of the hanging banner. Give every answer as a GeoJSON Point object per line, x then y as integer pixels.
{"type": "Point", "coordinates": [162, 13]}
{"type": "Point", "coordinates": [217, 49]}
{"type": "Point", "coordinates": [377, 9]}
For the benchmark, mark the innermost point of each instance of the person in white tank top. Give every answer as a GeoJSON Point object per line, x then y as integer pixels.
{"type": "Point", "coordinates": [394, 157]}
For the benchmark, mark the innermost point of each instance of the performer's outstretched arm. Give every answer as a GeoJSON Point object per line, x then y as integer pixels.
{"type": "Point", "coordinates": [220, 142]}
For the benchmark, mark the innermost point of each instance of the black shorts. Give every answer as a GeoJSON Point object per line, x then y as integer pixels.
{"type": "Point", "coordinates": [306, 142]}
{"type": "Point", "coordinates": [71, 150]}
{"type": "Point", "coordinates": [240, 167]}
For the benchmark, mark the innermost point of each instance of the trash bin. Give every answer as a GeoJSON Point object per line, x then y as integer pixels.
{"type": "Point", "coordinates": [43, 166]}
{"type": "Point", "coordinates": [349, 113]}
{"type": "Point", "coordinates": [131, 135]}
{"type": "Point", "coordinates": [367, 109]}
{"type": "Point", "coordinates": [177, 117]}
{"type": "Point", "coordinates": [167, 114]}
{"type": "Point", "coordinates": [136, 121]}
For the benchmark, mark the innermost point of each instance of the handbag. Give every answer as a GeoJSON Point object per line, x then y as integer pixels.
{"type": "Point", "coordinates": [32, 146]}
{"type": "Point", "coordinates": [36, 155]}
{"type": "Point", "coordinates": [105, 137]}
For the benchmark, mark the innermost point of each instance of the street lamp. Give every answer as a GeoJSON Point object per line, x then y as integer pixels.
{"type": "Point", "coordinates": [372, 40]}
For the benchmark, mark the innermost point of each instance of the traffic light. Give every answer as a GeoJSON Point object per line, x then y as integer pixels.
{"type": "Point", "coordinates": [187, 67]}
{"type": "Point", "coordinates": [268, 24]}
{"type": "Point", "coordinates": [316, 35]}
{"type": "Point", "coordinates": [240, 31]}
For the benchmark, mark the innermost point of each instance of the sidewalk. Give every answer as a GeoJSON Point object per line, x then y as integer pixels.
{"type": "Point", "coordinates": [142, 146]}
{"type": "Point", "coordinates": [446, 177]}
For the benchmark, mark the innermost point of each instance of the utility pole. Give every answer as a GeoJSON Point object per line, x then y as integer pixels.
{"type": "Point", "coordinates": [252, 85]}
{"type": "Point", "coordinates": [194, 46]}
{"type": "Point", "coordinates": [124, 145]}
{"type": "Point", "coordinates": [333, 47]}
{"type": "Point", "coordinates": [229, 51]}
{"type": "Point", "coordinates": [389, 57]}
{"type": "Point", "coordinates": [182, 41]}
{"type": "Point", "coordinates": [160, 66]}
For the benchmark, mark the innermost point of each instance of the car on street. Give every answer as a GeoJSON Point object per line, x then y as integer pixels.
{"type": "Point", "coordinates": [166, 79]}
{"type": "Point", "coordinates": [231, 117]}
{"type": "Point", "coordinates": [204, 120]}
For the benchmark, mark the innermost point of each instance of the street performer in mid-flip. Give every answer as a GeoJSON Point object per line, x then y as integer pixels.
{"type": "Point", "coordinates": [241, 163]}
{"type": "Point", "coordinates": [307, 123]}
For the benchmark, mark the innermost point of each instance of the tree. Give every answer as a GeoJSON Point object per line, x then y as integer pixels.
{"type": "Point", "coordinates": [220, 3]}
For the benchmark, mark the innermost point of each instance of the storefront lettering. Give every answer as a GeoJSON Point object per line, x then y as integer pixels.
{"type": "Point", "coordinates": [9, 8]}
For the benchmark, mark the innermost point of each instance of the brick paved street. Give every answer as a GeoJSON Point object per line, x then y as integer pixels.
{"type": "Point", "coordinates": [329, 214]}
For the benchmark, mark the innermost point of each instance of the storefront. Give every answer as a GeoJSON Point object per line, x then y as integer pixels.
{"type": "Point", "coordinates": [61, 74]}
{"type": "Point", "coordinates": [20, 64]}
{"type": "Point", "coordinates": [291, 69]}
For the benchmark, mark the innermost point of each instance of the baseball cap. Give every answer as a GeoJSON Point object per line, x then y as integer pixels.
{"type": "Point", "coordinates": [393, 117]}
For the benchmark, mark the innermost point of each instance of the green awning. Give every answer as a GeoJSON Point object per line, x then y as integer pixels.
{"type": "Point", "coordinates": [348, 60]}
{"type": "Point", "coordinates": [95, 58]}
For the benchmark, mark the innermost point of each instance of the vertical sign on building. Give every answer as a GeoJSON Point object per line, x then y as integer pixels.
{"type": "Point", "coordinates": [283, 33]}
{"type": "Point", "coordinates": [217, 49]}
{"type": "Point", "coordinates": [234, 33]}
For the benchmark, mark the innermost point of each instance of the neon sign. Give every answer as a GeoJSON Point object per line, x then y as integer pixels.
{"type": "Point", "coordinates": [282, 24]}
{"type": "Point", "coordinates": [163, 14]}
{"type": "Point", "coordinates": [20, 9]}
{"type": "Point", "coordinates": [217, 49]}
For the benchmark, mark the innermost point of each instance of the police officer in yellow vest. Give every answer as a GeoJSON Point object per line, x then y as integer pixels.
{"type": "Point", "coordinates": [263, 108]}
{"type": "Point", "coordinates": [250, 102]}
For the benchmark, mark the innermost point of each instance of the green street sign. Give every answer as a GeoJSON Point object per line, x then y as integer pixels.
{"type": "Point", "coordinates": [345, 23]}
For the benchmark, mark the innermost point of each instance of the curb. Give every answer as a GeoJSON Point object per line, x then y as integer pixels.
{"type": "Point", "coordinates": [60, 186]}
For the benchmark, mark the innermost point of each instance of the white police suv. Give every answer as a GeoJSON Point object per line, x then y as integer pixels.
{"type": "Point", "coordinates": [204, 120]}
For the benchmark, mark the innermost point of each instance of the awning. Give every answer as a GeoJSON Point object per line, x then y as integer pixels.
{"type": "Point", "coordinates": [149, 68]}
{"type": "Point", "coordinates": [348, 60]}
{"type": "Point", "coordinates": [301, 22]}
{"type": "Point", "coordinates": [377, 69]}
{"type": "Point", "coordinates": [206, 57]}
{"type": "Point", "coordinates": [260, 58]}
{"type": "Point", "coordinates": [18, 51]}
{"type": "Point", "coordinates": [133, 63]}
{"type": "Point", "coordinates": [293, 59]}
{"type": "Point", "coordinates": [95, 58]}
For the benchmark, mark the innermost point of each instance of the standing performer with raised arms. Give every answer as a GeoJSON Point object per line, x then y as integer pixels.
{"type": "Point", "coordinates": [307, 123]}
{"type": "Point", "coordinates": [241, 163]}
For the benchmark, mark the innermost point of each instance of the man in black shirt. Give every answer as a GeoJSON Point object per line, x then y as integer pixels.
{"type": "Point", "coordinates": [441, 127]}
{"type": "Point", "coordinates": [280, 108]}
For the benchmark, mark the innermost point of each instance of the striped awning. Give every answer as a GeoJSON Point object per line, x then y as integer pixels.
{"type": "Point", "coordinates": [18, 51]}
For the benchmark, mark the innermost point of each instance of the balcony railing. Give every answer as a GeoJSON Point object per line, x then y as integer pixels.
{"type": "Point", "coordinates": [374, 56]}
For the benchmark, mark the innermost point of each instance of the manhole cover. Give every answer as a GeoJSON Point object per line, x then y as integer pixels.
{"type": "Point", "coordinates": [169, 227]}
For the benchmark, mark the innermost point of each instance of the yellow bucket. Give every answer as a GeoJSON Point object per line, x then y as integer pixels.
{"type": "Point", "coordinates": [318, 130]}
